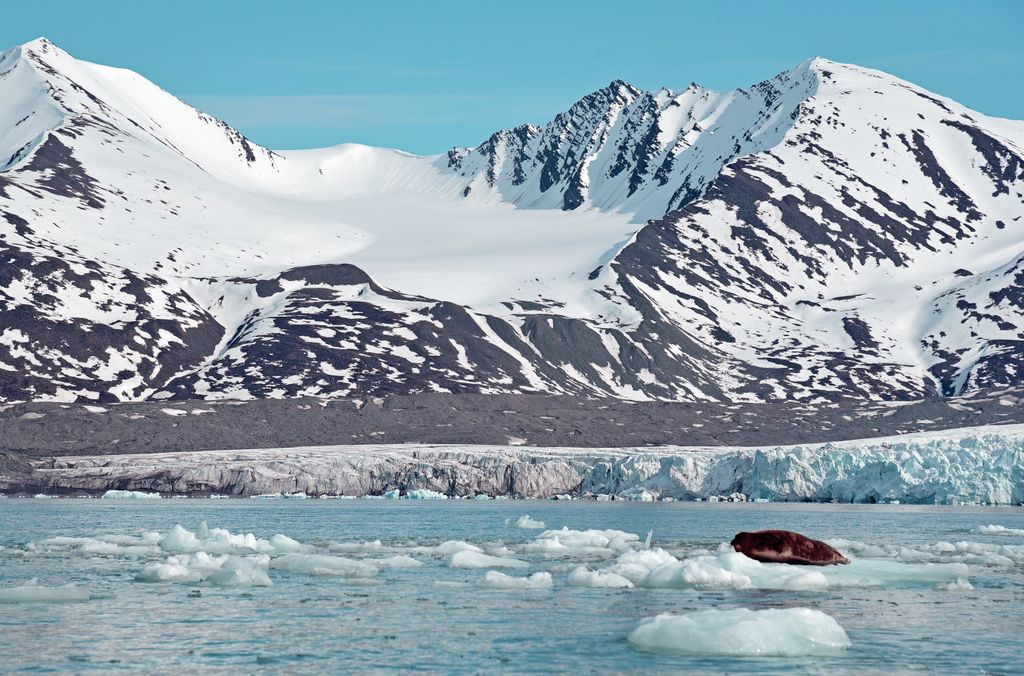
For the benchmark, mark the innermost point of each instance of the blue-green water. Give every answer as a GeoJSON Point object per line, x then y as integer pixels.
{"type": "Point", "coordinates": [436, 618]}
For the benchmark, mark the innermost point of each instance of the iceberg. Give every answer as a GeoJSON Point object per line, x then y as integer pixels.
{"type": "Point", "coordinates": [129, 495]}
{"type": "Point", "coordinates": [788, 632]}
{"type": "Point", "coordinates": [425, 494]}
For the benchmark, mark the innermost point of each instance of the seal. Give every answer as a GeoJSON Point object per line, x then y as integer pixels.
{"type": "Point", "coordinates": [785, 546]}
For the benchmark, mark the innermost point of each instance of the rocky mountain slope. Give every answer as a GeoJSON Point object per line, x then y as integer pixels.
{"type": "Point", "coordinates": [832, 232]}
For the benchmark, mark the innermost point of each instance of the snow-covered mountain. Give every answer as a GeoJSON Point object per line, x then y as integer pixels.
{"type": "Point", "coordinates": [831, 232]}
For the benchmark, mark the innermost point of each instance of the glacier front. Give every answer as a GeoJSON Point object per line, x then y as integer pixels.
{"type": "Point", "coordinates": [978, 465]}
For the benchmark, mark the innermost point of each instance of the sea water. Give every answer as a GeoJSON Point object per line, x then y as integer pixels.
{"type": "Point", "coordinates": [484, 587]}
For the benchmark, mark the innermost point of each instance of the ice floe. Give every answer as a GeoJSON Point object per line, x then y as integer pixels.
{"type": "Point", "coordinates": [584, 577]}
{"type": "Point", "coordinates": [570, 542]}
{"type": "Point", "coordinates": [995, 529]}
{"type": "Point", "coordinates": [498, 580]}
{"type": "Point", "coordinates": [743, 632]}
{"type": "Point", "coordinates": [470, 559]}
{"type": "Point", "coordinates": [32, 592]}
{"type": "Point", "coordinates": [399, 561]}
{"type": "Point", "coordinates": [226, 570]}
{"type": "Point", "coordinates": [324, 564]}
{"type": "Point", "coordinates": [525, 522]}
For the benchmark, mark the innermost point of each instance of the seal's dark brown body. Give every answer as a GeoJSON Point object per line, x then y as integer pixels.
{"type": "Point", "coordinates": [785, 546]}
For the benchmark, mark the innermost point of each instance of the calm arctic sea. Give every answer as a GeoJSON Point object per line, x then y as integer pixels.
{"type": "Point", "coordinates": [404, 620]}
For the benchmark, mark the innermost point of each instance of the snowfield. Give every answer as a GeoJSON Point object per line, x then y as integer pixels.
{"type": "Point", "coordinates": [831, 232]}
{"type": "Point", "coordinates": [982, 465]}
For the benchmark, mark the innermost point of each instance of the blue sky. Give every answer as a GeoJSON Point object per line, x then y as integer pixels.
{"type": "Point", "coordinates": [425, 76]}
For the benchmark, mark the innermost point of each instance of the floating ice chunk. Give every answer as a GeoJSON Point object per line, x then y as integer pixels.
{"type": "Point", "coordinates": [959, 584]}
{"type": "Point", "coordinates": [356, 547]}
{"type": "Point", "coordinates": [736, 571]}
{"type": "Point", "coordinates": [32, 592]}
{"type": "Point", "coordinates": [425, 494]}
{"type": "Point", "coordinates": [179, 540]}
{"type": "Point", "coordinates": [584, 577]}
{"type": "Point", "coordinates": [239, 572]}
{"type": "Point", "coordinates": [392, 494]}
{"type": "Point", "coordinates": [471, 559]}
{"type": "Point", "coordinates": [635, 565]}
{"type": "Point", "coordinates": [130, 495]}
{"type": "Point", "coordinates": [213, 540]}
{"type": "Point", "coordinates": [497, 580]}
{"type": "Point", "coordinates": [525, 522]}
{"type": "Point", "coordinates": [105, 545]}
{"type": "Point", "coordinates": [283, 544]}
{"type": "Point", "coordinates": [399, 561]}
{"type": "Point", "coordinates": [324, 564]}
{"type": "Point", "coordinates": [704, 571]}
{"type": "Point", "coordinates": [168, 571]}
{"type": "Point", "coordinates": [585, 540]}
{"type": "Point", "coordinates": [995, 529]}
{"type": "Point", "coordinates": [742, 632]}
{"type": "Point", "coordinates": [453, 546]}
{"type": "Point", "coordinates": [189, 567]}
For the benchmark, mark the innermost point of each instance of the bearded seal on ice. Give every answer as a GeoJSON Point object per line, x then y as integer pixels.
{"type": "Point", "coordinates": [785, 546]}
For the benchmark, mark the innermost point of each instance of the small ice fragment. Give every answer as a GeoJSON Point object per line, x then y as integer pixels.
{"type": "Point", "coordinates": [453, 546]}
{"type": "Point", "coordinates": [471, 559]}
{"type": "Point", "coordinates": [497, 580]}
{"type": "Point", "coordinates": [179, 540]}
{"type": "Point", "coordinates": [393, 494]}
{"type": "Point", "coordinates": [168, 571]}
{"type": "Point", "coordinates": [959, 584]}
{"type": "Point", "coordinates": [399, 561]}
{"type": "Point", "coordinates": [787, 632]}
{"type": "Point", "coordinates": [32, 592]}
{"type": "Point", "coordinates": [357, 547]}
{"type": "Point", "coordinates": [130, 495]}
{"type": "Point", "coordinates": [239, 572]}
{"type": "Point", "coordinates": [283, 544]}
{"type": "Point", "coordinates": [324, 564]}
{"type": "Point", "coordinates": [584, 577]}
{"type": "Point", "coordinates": [995, 529]}
{"type": "Point", "coordinates": [425, 494]}
{"type": "Point", "coordinates": [525, 522]}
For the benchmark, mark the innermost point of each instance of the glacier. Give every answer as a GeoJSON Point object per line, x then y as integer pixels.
{"type": "Point", "coordinates": [979, 465]}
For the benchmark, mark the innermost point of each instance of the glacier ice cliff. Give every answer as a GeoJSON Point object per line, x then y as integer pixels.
{"type": "Point", "coordinates": [971, 465]}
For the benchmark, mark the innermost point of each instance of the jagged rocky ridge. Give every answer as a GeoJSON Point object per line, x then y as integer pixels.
{"type": "Point", "coordinates": [833, 232]}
